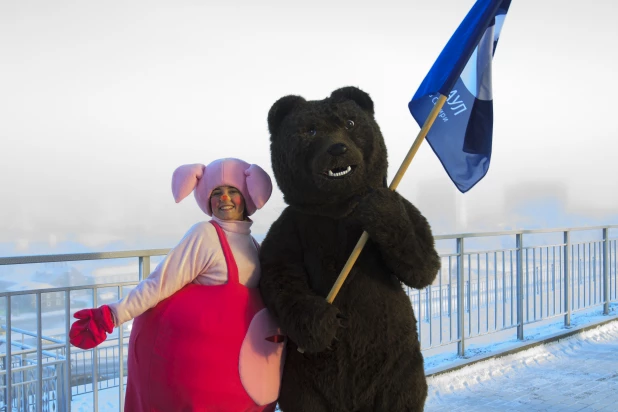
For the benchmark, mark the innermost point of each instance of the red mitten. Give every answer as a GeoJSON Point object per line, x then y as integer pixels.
{"type": "Point", "coordinates": [92, 327]}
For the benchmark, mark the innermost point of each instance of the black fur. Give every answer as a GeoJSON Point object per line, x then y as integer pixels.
{"type": "Point", "coordinates": [362, 352]}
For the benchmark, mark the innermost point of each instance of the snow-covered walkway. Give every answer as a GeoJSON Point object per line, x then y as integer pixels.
{"type": "Point", "coordinates": [578, 373]}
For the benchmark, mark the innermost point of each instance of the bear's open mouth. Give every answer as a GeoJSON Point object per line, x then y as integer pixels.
{"type": "Point", "coordinates": [339, 172]}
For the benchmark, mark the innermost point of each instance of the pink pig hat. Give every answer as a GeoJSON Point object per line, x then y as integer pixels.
{"type": "Point", "coordinates": [253, 182]}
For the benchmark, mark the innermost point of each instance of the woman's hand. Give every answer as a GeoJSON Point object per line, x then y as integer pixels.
{"type": "Point", "coordinates": [92, 327]}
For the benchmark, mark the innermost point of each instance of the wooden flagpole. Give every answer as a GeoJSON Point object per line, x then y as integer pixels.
{"type": "Point", "coordinates": [398, 176]}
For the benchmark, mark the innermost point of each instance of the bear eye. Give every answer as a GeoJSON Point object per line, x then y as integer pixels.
{"type": "Point", "coordinates": [349, 124]}
{"type": "Point", "coordinates": [312, 132]}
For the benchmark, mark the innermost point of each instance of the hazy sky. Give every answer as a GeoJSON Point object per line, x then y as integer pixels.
{"type": "Point", "coordinates": [101, 101]}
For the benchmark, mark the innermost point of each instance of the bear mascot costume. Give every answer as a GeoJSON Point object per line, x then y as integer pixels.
{"type": "Point", "coordinates": [360, 353]}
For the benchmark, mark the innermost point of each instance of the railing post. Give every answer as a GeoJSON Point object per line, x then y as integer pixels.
{"type": "Point", "coordinates": [67, 364]}
{"type": "Point", "coordinates": [95, 359]}
{"type": "Point", "coordinates": [39, 353]}
{"type": "Point", "coordinates": [606, 270]}
{"type": "Point", "coordinates": [461, 346]}
{"type": "Point", "coordinates": [24, 377]}
{"type": "Point", "coordinates": [144, 267]}
{"type": "Point", "coordinates": [520, 286]}
{"type": "Point", "coordinates": [9, 357]}
{"type": "Point", "coordinates": [567, 279]}
{"type": "Point", "coordinates": [121, 360]}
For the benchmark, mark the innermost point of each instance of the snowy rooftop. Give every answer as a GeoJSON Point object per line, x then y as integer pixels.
{"type": "Point", "coordinates": [578, 373]}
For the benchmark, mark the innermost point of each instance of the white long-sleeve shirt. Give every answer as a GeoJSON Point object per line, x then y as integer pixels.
{"type": "Point", "coordinates": [198, 258]}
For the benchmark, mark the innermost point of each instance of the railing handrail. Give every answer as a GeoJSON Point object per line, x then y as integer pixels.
{"type": "Point", "coordinates": [69, 288]}
{"type": "Point", "coordinates": [71, 257]}
{"type": "Point", "coordinates": [32, 334]}
{"type": "Point", "coordinates": [31, 349]}
{"type": "Point", "coordinates": [520, 232]}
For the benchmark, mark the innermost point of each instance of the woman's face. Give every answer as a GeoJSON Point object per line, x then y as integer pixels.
{"type": "Point", "coordinates": [227, 203]}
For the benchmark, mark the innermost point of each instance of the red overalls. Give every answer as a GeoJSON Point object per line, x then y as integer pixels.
{"type": "Point", "coordinates": [207, 349]}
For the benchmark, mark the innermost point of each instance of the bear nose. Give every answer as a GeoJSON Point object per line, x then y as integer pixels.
{"type": "Point", "coordinates": [337, 149]}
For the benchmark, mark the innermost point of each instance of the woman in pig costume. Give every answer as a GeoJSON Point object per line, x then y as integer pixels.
{"type": "Point", "coordinates": [201, 339]}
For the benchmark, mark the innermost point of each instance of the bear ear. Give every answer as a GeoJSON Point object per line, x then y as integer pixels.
{"type": "Point", "coordinates": [280, 110]}
{"type": "Point", "coordinates": [355, 94]}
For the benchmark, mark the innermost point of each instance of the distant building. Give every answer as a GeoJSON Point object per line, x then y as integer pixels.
{"type": "Point", "coordinates": [115, 274]}
{"type": "Point", "coordinates": [52, 300]}
{"type": "Point", "coordinates": [535, 204]}
{"type": "Point", "coordinates": [442, 205]}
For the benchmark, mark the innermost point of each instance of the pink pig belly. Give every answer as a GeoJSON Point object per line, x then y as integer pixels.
{"type": "Point", "coordinates": [261, 359]}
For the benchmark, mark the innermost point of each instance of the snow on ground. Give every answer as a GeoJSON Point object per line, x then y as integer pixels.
{"type": "Point", "coordinates": [576, 373]}
{"type": "Point", "coordinates": [108, 401]}
{"type": "Point", "coordinates": [496, 368]}
{"type": "Point", "coordinates": [440, 358]}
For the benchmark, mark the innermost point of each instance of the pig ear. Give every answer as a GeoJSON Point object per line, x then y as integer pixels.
{"type": "Point", "coordinates": [259, 185]}
{"type": "Point", "coordinates": [185, 179]}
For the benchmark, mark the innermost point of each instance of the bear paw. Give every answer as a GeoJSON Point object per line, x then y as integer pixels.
{"type": "Point", "coordinates": [321, 330]}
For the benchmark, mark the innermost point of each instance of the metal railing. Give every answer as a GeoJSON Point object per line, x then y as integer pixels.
{"type": "Point", "coordinates": [481, 289]}
{"type": "Point", "coordinates": [22, 387]}
{"type": "Point", "coordinates": [494, 289]}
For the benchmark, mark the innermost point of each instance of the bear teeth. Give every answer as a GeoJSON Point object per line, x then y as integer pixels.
{"type": "Point", "coordinates": [339, 174]}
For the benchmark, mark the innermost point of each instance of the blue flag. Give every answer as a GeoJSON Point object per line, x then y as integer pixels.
{"type": "Point", "coordinates": [461, 134]}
